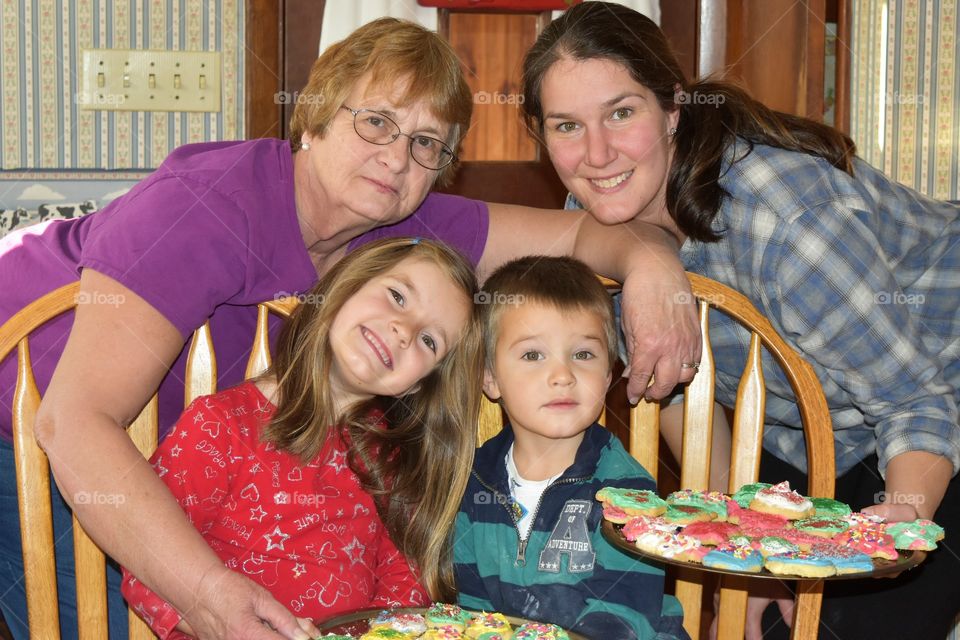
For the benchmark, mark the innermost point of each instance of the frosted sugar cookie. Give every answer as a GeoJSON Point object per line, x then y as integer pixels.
{"type": "Point", "coordinates": [482, 624]}
{"type": "Point", "coordinates": [540, 631]}
{"type": "Point", "coordinates": [444, 632]}
{"type": "Point", "coordinates": [412, 623]}
{"type": "Point", "coordinates": [782, 501]}
{"type": "Point", "coordinates": [636, 502]}
{"type": "Point", "coordinates": [775, 546]}
{"type": "Point", "coordinates": [919, 535]}
{"type": "Point", "coordinates": [734, 558]}
{"type": "Point", "coordinates": [829, 508]}
{"type": "Point", "coordinates": [844, 559]}
{"type": "Point", "coordinates": [711, 532]}
{"type": "Point", "coordinates": [443, 615]}
{"type": "Point", "coordinates": [800, 564]}
{"type": "Point", "coordinates": [615, 514]}
{"type": "Point", "coordinates": [386, 634]}
{"type": "Point", "coordinates": [871, 540]}
{"type": "Point", "coordinates": [711, 501]}
{"type": "Point", "coordinates": [823, 527]}
{"type": "Point", "coordinates": [675, 546]}
{"type": "Point", "coordinates": [745, 494]}
{"type": "Point", "coordinates": [638, 525]}
{"type": "Point", "coordinates": [753, 522]}
{"type": "Point", "coordinates": [682, 514]}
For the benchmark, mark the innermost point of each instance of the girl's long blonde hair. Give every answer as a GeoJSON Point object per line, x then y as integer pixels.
{"type": "Point", "coordinates": [417, 467]}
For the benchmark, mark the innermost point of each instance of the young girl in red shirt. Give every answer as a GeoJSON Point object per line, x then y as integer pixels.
{"type": "Point", "coordinates": [333, 480]}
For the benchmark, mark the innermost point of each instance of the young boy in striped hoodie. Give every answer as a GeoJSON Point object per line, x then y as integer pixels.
{"type": "Point", "coordinates": [528, 539]}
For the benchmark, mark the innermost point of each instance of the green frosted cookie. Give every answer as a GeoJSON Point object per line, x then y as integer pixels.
{"type": "Point", "coordinates": [830, 508]}
{"type": "Point", "coordinates": [745, 494]}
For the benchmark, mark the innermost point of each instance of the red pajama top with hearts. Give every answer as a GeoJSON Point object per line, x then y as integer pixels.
{"type": "Point", "coordinates": [308, 533]}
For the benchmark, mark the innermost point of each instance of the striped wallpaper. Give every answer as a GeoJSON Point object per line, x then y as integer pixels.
{"type": "Point", "coordinates": [905, 91]}
{"type": "Point", "coordinates": [41, 126]}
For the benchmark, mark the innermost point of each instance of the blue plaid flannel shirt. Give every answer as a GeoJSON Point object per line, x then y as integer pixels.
{"type": "Point", "coordinates": [861, 275]}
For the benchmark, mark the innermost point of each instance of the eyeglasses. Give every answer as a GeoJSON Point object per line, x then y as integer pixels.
{"type": "Point", "coordinates": [376, 128]}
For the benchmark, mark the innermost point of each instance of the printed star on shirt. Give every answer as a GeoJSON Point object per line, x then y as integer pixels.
{"type": "Point", "coordinates": [339, 513]}
{"type": "Point", "coordinates": [372, 528]}
{"type": "Point", "coordinates": [354, 551]}
{"type": "Point", "coordinates": [183, 434]}
{"type": "Point", "coordinates": [276, 533]}
{"type": "Point", "coordinates": [257, 514]}
{"type": "Point", "coordinates": [293, 556]}
{"type": "Point", "coordinates": [255, 469]}
{"type": "Point", "coordinates": [338, 461]}
{"type": "Point", "coordinates": [175, 452]}
{"type": "Point", "coordinates": [181, 476]}
{"type": "Point", "coordinates": [197, 418]}
{"type": "Point", "coordinates": [299, 569]}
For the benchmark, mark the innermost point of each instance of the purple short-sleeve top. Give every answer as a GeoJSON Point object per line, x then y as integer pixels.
{"type": "Point", "coordinates": [212, 232]}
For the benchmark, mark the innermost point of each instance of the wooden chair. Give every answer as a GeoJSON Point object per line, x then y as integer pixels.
{"type": "Point", "coordinates": [32, 468]}
{"type": "Point", "coordinates": [746, 446]}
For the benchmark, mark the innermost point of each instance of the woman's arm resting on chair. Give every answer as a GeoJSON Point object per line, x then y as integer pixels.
{"type": "Point", "coordinates": [113, 361]}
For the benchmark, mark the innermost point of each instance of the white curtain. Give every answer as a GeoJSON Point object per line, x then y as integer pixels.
{"type": "Point", "coordinates": [343, 16]}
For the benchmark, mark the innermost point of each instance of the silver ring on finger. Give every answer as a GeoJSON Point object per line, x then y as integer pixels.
{"type": "Point", "coordinates": [690, 365]}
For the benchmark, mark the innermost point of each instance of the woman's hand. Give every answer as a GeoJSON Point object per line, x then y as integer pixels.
{"type": "Point", "coordinates": [232, 607]}
{"type": "Point", "coordinates": [662, 331]}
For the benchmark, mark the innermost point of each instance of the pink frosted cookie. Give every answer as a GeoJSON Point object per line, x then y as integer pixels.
{"type": "Point", "coordinates": [711, 532]}
{"type": "Point", "coordinates": [871, 540]}
{"type": "Point", "coordinates": [753, 523]}
{"type": "Point", "coordinates": [802, 539]}
{"type": "Point", "coordinates": [782, 501]}
{"type": "Point", "coordinates": [615, 515]}
{"type": "Point", "coordinates": [638, 525]}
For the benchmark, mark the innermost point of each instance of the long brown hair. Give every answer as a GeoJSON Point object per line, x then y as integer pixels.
{"type": "Point", "coordinates": [417, 468]}
{"type": "Point", "coordinates": [391, 50]}
{"type": "Point", "coordinates": [712, 113]}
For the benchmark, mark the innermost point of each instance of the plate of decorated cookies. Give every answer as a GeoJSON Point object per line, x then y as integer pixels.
{"type": "Point", "coordinates": [439, 622]}
{"type": "Point", "coordinates": [762, 530]}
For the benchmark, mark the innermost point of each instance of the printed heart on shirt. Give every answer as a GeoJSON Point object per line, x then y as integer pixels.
{"type": "Point", "coordinates": [295, 475]}
{"type": "Point", "coordinates": [333, 590]}
{"type": "Point", "coordinates": [261, 565]}
{"type": "Point", "coordinates": [209, 472]}
{"type": "Point", "coordinates": [360, 509]}
{"type": "Point", "coordinates": [251, 493]}
{"type": "Point", "coordinates": [211, 428]}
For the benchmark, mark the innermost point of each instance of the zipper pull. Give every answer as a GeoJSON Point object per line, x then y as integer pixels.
{"type": "Point", "coordinates": [521, 551]}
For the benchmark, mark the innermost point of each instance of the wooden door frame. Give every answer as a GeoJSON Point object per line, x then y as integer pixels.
{"type": "Point", "coordinates": [282, 41]}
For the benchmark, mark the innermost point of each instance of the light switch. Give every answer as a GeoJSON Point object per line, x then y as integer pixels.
{"type": "Point", "coordinates": [147, 80]}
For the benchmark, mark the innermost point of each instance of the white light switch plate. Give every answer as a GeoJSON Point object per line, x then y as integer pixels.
{"type": "Point", "coordinates": [147, 80]}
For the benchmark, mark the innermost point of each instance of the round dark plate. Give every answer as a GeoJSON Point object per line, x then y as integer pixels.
{"type": "Point", "coordinates": [881, 567]}
{"type": "Point", "coordinates": [357, 623]}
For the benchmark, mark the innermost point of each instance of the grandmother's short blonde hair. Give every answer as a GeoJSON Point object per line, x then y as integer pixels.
{"type": "Point", "coordinates": [391, 51]}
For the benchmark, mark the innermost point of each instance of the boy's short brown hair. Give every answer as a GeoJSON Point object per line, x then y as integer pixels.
{"type": "Point", "coordinates": [561, 282]}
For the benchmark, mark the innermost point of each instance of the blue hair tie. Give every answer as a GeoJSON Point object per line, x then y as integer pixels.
{"type": "Point", "coordinates": [415, 240]}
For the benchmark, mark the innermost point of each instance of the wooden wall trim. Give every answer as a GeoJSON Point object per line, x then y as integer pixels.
{"type": "Point", "coordinates": [302, 22]}
{"type": "Point", "coordinates": [262, 74]}
{"type": "Point", "coordinates": [844, 47]}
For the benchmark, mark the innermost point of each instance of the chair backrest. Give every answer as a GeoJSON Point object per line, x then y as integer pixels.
{"type": "Point", "coordinates": [746, 447]}
{"type": "Point", "coordinates": [33, 471]}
